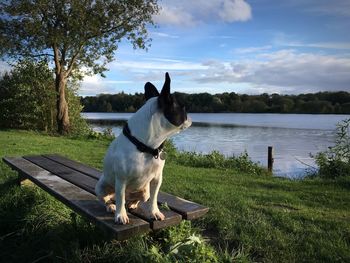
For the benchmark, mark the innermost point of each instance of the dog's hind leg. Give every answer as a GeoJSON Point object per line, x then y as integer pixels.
{"type": "Point", "coordinates": [105, 193]}
{"type": "Point", "coordinates": [132, 204]}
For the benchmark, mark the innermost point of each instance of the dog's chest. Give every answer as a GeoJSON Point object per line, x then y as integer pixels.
{"type": "Point", "coordinates": [143, 172]}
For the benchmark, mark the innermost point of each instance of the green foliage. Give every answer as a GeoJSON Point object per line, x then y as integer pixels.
{"type": "Point", "coordinates": [335, 161]}
{"type": "Point", "coordinates": [214, 159]}
{"type": "Point", "coordinates": [78, 37]}
{"type": "Point", "coordinates": [28, 100]}
{"type": "Point", "coordinates": [78, 125]}
{"type": "Point", "coordinates": [321, 102]}
{"type": "Point", "coordinates": [105, 134]}
{"type": "Point", "coordinates": [80, 34]}
{"type": "Point", "coordinates": [27, 97]}
{"type": "Point", "coordinates": [188, 247]}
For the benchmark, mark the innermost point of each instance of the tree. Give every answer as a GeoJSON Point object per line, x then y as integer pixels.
{"type": "Point", "coordinates": [78, 36]}
{"type": "Point", "coordinates": [27, 97]}
{"type": "Point", "coordinates": [28, 100]}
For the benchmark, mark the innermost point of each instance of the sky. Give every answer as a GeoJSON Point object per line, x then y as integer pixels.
{"type": "Point", "coordinates": [242, 46]}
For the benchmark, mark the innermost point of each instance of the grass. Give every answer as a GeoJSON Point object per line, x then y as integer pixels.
{"type": "Point", "coordinates": [251, 218]}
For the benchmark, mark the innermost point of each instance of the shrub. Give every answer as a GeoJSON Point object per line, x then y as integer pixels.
{"type": "Point", "coordinates": [335, 161]}
{"type": "Point", "coordinates": [27, 97]}
{"type": "Point", "coordinates": [105, 134]}
{"type": "Point", "coordinates": [215, 159]}
{"type": "Point", "coordinates": [78, 125]}
{"type": "Point", "coordinates": [28, 100]}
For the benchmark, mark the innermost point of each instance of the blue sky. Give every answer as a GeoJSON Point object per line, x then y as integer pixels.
{"type": "Point", "coordinates": [242, 46]}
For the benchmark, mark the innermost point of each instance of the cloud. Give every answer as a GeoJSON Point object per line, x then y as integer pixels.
{"type": "Point", "coordinates": [92, 85]}
{"type": "Point", "coordinates": [174, 16]}
{"type": "Point", "coordinates": [322, 45]}
{"type": "Point", "coordinates": [330, 45]}
{"type": "Point", "coordinates": [136, 73]}
{"type": "Point", "coordinates": [156, 64]}
{"type": "Point", "coordinates": [251, 49]}
{"type": "Point", "coordinates": [165, 35]}
{"type": "Point", "coordinates": [235, 10]}
{"type": "Point", "coordinates": [285, 70]}
{"type": "Point", "coordinates": [191, 13]}
{"type": "Point", "coordinates": [282, 39]}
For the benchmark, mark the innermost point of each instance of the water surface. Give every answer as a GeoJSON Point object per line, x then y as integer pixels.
{"type": "Point", "coordinates": [293, 136]}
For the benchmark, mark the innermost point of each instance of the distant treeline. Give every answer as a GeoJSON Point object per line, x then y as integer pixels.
{"type": "Point", "coordinates": [321, 102]}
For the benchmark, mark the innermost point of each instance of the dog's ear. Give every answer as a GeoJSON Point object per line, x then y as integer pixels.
{"type": "Point", "coordinates": [150, 91]}
{"type": "Point", "coordinates": [165, 97]}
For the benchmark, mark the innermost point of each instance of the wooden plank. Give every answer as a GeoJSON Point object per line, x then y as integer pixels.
{"type": "Point", "coordinates": [88, 184]}
{"type": "Point", "coordinates": [78, 199]}
{"type": "Point", "coordinates": [171, 218]}
{"type": "Point", "coordinates": [189, 210]}
{"type": "Point", "coordinates": [66, 173]}
{"type": "Point", "coordinates": [80, 167]}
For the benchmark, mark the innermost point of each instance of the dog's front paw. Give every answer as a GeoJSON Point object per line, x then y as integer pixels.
{"type": "Point", "coordinates": [157, 215]}
{"type": "Point", "coordinates": [121, 218]}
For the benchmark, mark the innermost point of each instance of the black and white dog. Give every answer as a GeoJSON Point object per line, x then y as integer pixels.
{"type": "Point", "coordinates": [134, 162]}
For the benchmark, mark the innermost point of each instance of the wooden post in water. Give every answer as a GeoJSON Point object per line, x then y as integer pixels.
{"type": "Point", "coordinates": [270, 158]}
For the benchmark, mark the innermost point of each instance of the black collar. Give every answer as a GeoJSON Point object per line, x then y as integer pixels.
{"type": "Point", "coordinates": [141, 146]}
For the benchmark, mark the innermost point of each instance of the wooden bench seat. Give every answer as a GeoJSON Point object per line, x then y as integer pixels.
{"type": "Point", "coordinates": [73, 183]}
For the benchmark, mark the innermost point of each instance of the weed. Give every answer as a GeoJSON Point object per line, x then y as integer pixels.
{"type": "Point", "coordinates": [215, 159]}
{"type": "Point", "coordinates": [335, 162]}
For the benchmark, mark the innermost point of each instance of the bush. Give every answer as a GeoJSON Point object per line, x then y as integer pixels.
{"type": "Point", "coordinates": [28, 100]}
{"type": "Point", "coordinates": [335, 161]}
{"type": "Point", "coordinates": [106, 134]}
{"type": "Point", "coordinates": [27, 97]}
{"type": "Point", "coordinates": [214, 159]}
{"type": "Point", "coordinates": [78, 125]}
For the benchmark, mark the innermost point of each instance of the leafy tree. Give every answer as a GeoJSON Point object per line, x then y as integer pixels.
{"type": "Point", "coordinates": [28, 100]}
{"type": "Point", "coordinates": [27, 97]}
{"type": "Point", "coordinates": [230, 102]}
{"type": "Point", "coordinates": [255, 106]}
{"type": "Point", "coordinates": [78, 36]}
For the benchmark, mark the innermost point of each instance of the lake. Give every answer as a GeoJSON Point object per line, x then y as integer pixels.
{"type": "Point", "coordinates": [293, 136]}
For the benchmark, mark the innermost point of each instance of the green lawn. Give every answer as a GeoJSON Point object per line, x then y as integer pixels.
{"type": "Point", "coordinates": [251, 218]}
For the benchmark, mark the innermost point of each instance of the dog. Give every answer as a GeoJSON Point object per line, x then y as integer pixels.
{"type": "Point", "coordinates": [134, 162]}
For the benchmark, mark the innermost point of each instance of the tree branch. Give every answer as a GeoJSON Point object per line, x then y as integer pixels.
{"type": "Point", "coordinates": [72, 61]}
{"type": "Point", "coordinates": [43, 54]}
{"type": "Point", "coordinates": [34, 55]}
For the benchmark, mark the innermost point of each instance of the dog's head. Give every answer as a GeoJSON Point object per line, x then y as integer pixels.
{"type": "Point", "coordinates": [173, 111]}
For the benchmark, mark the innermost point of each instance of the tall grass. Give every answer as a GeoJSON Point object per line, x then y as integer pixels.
{"type": "Point", "coordinates": [215, 159]}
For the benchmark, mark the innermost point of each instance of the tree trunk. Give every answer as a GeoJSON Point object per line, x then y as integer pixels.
{"type": "Point", "coordinates": [61, 104]}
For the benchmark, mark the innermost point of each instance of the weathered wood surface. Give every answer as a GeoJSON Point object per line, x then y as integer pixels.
{"type": "Point", "coordinates": [88, 183]}
{"type": "Point", "coordinates": [73, 183]}
{"type": "Point", "coordinates": [66, 173]}
{"type": "Point", "coordinates": [78, 199]}
{"type": "Point", "coordinates": [171, 217]}
{"type": "Point", "coordinates": [189, 210]}
{"type": "Point", "coordinates": [88, 170]}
